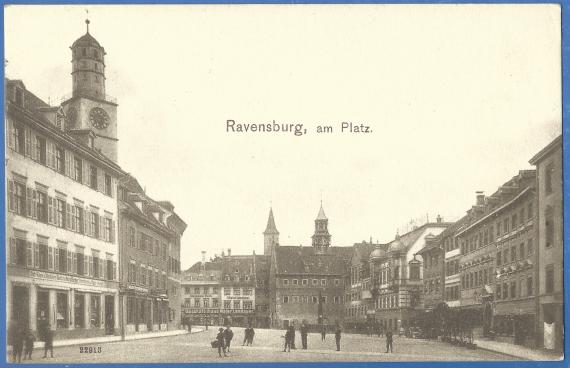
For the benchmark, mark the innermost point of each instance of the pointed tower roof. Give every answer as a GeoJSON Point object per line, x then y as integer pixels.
{"type": "Point", "coordinates": [321, 215]}
{"type": "Point", "coordinates": [271, 228]}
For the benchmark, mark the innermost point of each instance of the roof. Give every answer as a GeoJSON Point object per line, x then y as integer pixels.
{"type": "Point", "coordinates": [321, 215]}
{"type": "Point", "coordinates": [271, 228]}
{"type": "Point", "coordinates": [556, 143]}
{"type": "Point", "coordinates": [209, 266]}
{"type": "Point", "coordinates": [86, 40]}
{"type": "Point", "coordinates": [408, 239]}
{"type": "Point", "coordinates": [303, 260]}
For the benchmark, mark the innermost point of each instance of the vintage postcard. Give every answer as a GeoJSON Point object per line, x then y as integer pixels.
{"type": "Point", "coordinates": [283, 183]}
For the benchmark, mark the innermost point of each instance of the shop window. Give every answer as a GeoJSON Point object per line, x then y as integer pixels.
{"type": "Point", "coordinates": [61, 311]}
{"type": "Point", "coordinates": [95, 317]}
{"type": "Point", "coordinates": [79, 311]}
{"type": "Point", "coordinates": [549, 279]}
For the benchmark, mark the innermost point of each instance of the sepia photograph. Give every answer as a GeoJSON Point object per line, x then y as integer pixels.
{"type": "Point", "coordinates": [217, 183]}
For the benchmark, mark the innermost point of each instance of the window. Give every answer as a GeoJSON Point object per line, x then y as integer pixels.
{"type": "Point", "coordinates": [93, 176]}
{"type": "Point", "coordinates": [41, 206]}
{"type": "Point", "coordinates": [336, 282]}
{"type": "Point", "coordinates": [132, 237]}
{"type": "Point", "coordinates": [549, 227]}
{"type": "Point", "coordinates": [505, 290]}
{"type": "Point", "coordinates": [108, 229]}
{"type": "Point", "coordinates": [305, 282]}
{"type": "Point", "coordinates": [530, 211]}
{"type": "Point", "coordinates": [111, 269]}
{"type": "Point", "coordinates": [196, 290]}
{"type": "Point", "coordinates": [60, 160]}
{"type": "Point", "coordinates": [505, 257]}
{"type": "Point", "coordinates": [77, 169]}
{"type": "Point", "coordinates": [530, 246]}
{"type": "Point", "coordinates": [61, 255]}
{"type": "Point", "coordinates": [285, 282]}
{"type": "Point", "coordinates": [108, 187]}
{"type": "Point", "coordinates": [237, 291]}
{"type": "Point", "coordinates": [61, 313]}
{"type": "Point", "coordinates": [215, 303]}
{"type": "Point", "coordinates": [529, 288]}
{"type": "Point", "coordinates": [227, 291]}
{"type": "Point", "coordinates": [80, 261]}
{"type": "Point", "coordinates": [414, 272]}
{"type": "Point", "coordinates": [521, 251]}
{"type": "Point", "coordinates": [77, 219]}
{"type": "Point", "coordinates": [196, 302]}
{"type": "Point", "coordinates": [315, 299]}
{"type": "Point", "coordinates": [513, 289]}
{"type": "Point", "coordinates": [237, 304]}
{"type": "Point", "coordinates": [247, 304]}
{"type": "Point", "coordinates": [549, 279]}
{"type": "Point", "coordinates": [514, 221]}
{"type": "Point", "coordinates": [506, 225]}
{"type": "Point", "coordinates": [40, 150]}
{"type": "Point", "coordinates": [315, 282]}
{"type": "Point", "coordinates": [548, 179]}
{"type": "Point", "coordinates": [513, 253]}
{"type": "Point", "coordinates": [227, 304]}
{"type": "Point", "coordinates": [19, 139]}
{"type": "Point", "coordinates": [20, 198]}
{"type": "Point", "coordinates": [295, 282]}
{"type": "Point", "coordinates": [323, 282]}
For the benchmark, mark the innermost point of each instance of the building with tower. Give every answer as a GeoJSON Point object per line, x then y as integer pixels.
{"type": "Point", "coordinates": [307, 283]}
{"type": "Point", "coordinates": [270, 235]}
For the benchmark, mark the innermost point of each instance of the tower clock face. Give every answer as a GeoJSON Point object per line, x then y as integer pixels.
{"type": "Point", "coordinates": [99, 118]}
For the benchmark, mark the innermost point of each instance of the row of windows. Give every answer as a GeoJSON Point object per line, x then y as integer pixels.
{"type": "Point", "coordinates": [432, 286]}
{"type": "Point", "coordinates": [173, 266]}
{"type": "Point", "coordinates": [146, 276]}
{"type": "Point", "coordinates": [305, 282]}
{"type": "Point", "coordinates": [41, 256]}
{"type": "Point", "coordinates": [450, 244]}
{"type": "Point", "coordinates": [452, 293]}
{"type": "Point", "coordinates": [477, 278]}
{"type": "Point", "coordinates": [387, 302]}
{"type": "Point", "coordinates": [139, 311]}
{"type": "Point", "coordinates": [84, 52]}
{"type": "Point", "coordinates": [309, 299]}
{"type": "Point", "coordinates": [514, 289]}
{"type": "Point", "coordinates": [37, 204]}
{"type": "Point", "coordinates": [452, 267]}
{"type": "Point", "coordinates": [506, 225]}
{"type": "Point", "coordinates": [432, 261]}
{"type": "Point", "coordinates": [29, 143]}
{"type": "Point", "coordinates": [198, 290]}
{"type": "Point", "coordinates": [237, 278]}
{"type": "Point", "coordinates": [205, 302]}
{"type": "Point", "coordinates": [146, 243]}
{"type": "Point", "coordinates": [355, 311]}
{"type": "Point", "coordinates": [523, 252]}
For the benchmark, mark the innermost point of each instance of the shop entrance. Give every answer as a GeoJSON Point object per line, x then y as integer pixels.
{"type": "Point", "coordinates": [42, 308]}
{"type": "Point", "coordinates": [21, 305]}
{"type": "Point", "coordinates": [109, 314]}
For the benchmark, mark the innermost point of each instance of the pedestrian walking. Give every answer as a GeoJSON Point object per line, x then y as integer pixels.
{"type": "Point", "coordinates": [228, 335]}
{"type": "Point", "coordinates": [389, 341]}
{"type": "Point", "coordinates": [304, 335]}
{"type": "Point", "coordinates": [48, 341]}
{"type": "Point", "coordinates": [337, 333]}
{"type": "Point", "coordinates": [221, 342]}
{"type": "Point", "coordinates": [246, 336]}
{"type": "Point", "coordinates": [380, 330]}
{"type": "Point", "coordinates": [251, 335]}
{"type": "Point", "coordinates": [18, 336]}
{"type": "Point", "coordinates": [288, 339]}
{"type": "Point", "coordinates": [29, 344]}
{"type": "Point", "coordinates": [293, 337]}
{"type": "Point", "coordinates": [323, 332]}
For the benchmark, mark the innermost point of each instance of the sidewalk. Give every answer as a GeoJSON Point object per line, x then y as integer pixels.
{"type": "Point", "coordinates": [517, 350]}
{"type": "Point", "coordinates": [106, 339]}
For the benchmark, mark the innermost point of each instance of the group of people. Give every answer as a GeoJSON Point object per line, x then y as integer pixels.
{"type": "Point", "coordinates": [22, 339]}
{"type": "Point", "coordinates": [290, 336]}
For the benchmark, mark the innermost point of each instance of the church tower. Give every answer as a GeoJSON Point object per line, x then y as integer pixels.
{"type": "Point", "coordinates": [91, 115]}
{"type": "Point", "coordinates": [321, 237]}
{"type": "Point", "coordinates": [270, 235]}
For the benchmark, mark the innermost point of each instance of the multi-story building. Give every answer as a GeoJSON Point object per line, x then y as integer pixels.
{"type": "Point", "coordinates": [262, 292]}
{"type": "Point", "coordinates": [452, 257]}
{"type": "Point", "coordinates": [307, 283]}
{"type": "Point", "coordinates": [549, 263]}
{"type": "Point", "coordinates": [498, 257]}
{"type": "Point", "coordinates": [61, 231]}
{"type": "Point", "coordinates": [397, 276]}
{"type": "Point", "coordinates": [201, 293]}
{"type": "Point", "coordinates": [238, 290]}
{"type": "Point", "coordinates": [147, 235]}
{"type": "Point", "coordinates": [433, 256]}
{"type": "Point", "coordinates": [358, 298]}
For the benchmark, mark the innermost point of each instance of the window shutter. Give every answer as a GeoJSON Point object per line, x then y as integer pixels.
{"type": "Point", "coordinates": [86, 177]}
{"type": "Point", "coordinates": [29, 255]}
{"type": "Point", "coordinates": [29, 197]}
{"type": "Point", "coordinates": [113, 186]}
{"type": "Point", "coordinates": [34, 204]}
{"type": "Point", "coordinates": [114, 271]}
{"type": "Point", "coordinates": [112, 231]}
{"type": "Point", "coordinates": [12, 255]}
{"type": "Point", "coordinates": [68, 216]}
{"type": "Point", "coordinates": [69, 267]}
{"type": "Point", "coordinates": [28, 142]}
{"type": "Point", "coordinates": [50, 210]}
{"type": "Point", "coordinates": [35, 148]}
{"type": "Point", "coordinates": [74, 268]}
{"type": "Point", "coordinates": [11, 199]}
{"type": "Point", "coordinates": [10, 134]}
{"type": "Point", "coordinates": [101, 181]}
{"type": "Point", "coordinates": [36, 255]}
{"type": "Point", "coordinates": [86, 215]}
{"type": "Point", "coordinates": [50, 258]}
{"type": "Point", "coordinates": [101, 262]}
{"type": "Point", "coordinates": [91, 273]}
{"type": "Point", "coordinates": [50, 154]}
{"type": "Point", "coordinates": [68, 163]}
{"type": "Point", "coordinates": [104, 264]}
{"type": "Point", "coordinates": [56, 259]}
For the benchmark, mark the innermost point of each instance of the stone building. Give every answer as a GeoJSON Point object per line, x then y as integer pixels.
{"type": "Point", "coordinates": [61, 223]}
{"type": "Point", "coordinates": [307, 283]}
{"type": "Point", "coordinates": [433, 271]}
{"type": "Point", "coordinates": [452, 258]}
{"type": "Point", "coordinates": [201, 293]}
{"type": "Point", "coordinates": [148, 232]}
{"type": "Point", "coordinates": [238, 288]}
{"type": "Point", "coordinates": [549, 234]}
{"type": "Point", "coordinates": [397, 276]}
{"type": "Point", "coordinates": [498, 257]}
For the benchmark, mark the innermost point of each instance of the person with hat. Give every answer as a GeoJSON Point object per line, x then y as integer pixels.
{"type": "Point", "coordinates": [221, 342]}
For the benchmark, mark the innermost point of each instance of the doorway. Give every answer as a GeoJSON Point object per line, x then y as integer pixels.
{"type": "Point", "coordinates": [21, 305]}
{"type": "Point", "coordinates": [109, 314]}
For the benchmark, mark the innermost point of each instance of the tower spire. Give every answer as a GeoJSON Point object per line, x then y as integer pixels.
{"type": "Point", "coordinates": [270, 235]}
{"type": "Point", "coordinates": [87, 19]}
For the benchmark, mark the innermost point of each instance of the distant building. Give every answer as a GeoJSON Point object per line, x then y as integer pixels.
{"type": "Point", "coordinates": [238, 287]}
{"type": "Point", "coordinates": [397, 276]}
{"type": "Point", "coordinates": [452, 258]}
{"type": "Point", "coordinates": [433, 271]}
{"type": "Point", "coordinates": [202, 293]}
{"type": "Point", "coordinates": [550, 245]}
{"type": "Point", "coordinates": [307, 283]}
{"type": "Point", "coordinates": [498, 257]}
{"type": "Point", "coordinates": [262, 292]}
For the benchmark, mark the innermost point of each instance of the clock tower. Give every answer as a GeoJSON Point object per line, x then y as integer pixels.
{"type": "Point", "coordinates": [91, 115]}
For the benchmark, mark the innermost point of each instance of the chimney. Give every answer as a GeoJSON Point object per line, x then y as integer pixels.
{"type": "Point", "coordinates": [480, 198]}
{"type": "Point", "coordinates": [229, 252]}
{"type": "Point", "coordinates": [439, 219]}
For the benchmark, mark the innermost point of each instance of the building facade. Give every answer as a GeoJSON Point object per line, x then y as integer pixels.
{"type": "Point", "coordinates": [433, 271]}
{"type": "Point", "coordinates": [307, 283]}
{"type": "Point", "coordinates": [238, 287]}
{"type": "Point", "coordinates": [62, 206]}
{"type": "Point", "coordinates": [549, 235]}
{"type": "Point", "coordinates": [147, 237]}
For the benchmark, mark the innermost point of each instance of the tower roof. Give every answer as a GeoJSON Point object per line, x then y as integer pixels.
{"type": "Point", "coordinates": [271, 228]}
{"type": "Point", "coordinates": [86, 39]}
{"type": "Point", "coordinates": [321, 215]}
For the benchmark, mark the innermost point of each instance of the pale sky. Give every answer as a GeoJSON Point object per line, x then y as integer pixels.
{"type": "Point", "coordinates": [459, 98]}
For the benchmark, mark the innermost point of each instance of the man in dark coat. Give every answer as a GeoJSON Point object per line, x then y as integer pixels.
{"type": "Point", "coordinates": [17, 339]}
{"type": "Point", "coordinates": [229, 335]}
{"type": "Point", "coordinates": [337, 333]}
{"type": "Point", "coordinates": [251, 335]}
{"type": "Point", "coordinates": [221, 338]}
{"type": "Point", "coordinates": [304, 331]}
{"type": "Point", "coordinates": [323, 332]}
{"type": "Point", "coordinates": [48, 341]}
{"type": "Point", "coordinates": [29, 344]}
{"type": "Point", "coordinates": [288, 338]}
{"type": "Point", "coordinates": [389, 341]}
